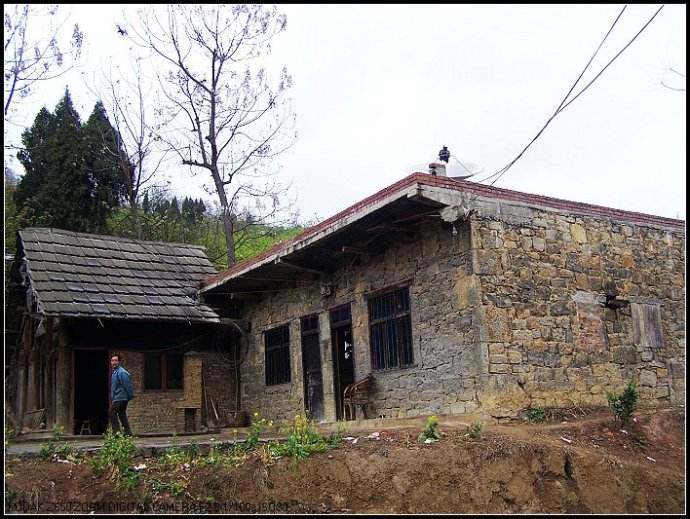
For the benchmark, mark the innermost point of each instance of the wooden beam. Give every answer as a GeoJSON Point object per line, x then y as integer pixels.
{"type": "Point", "coordinates": [353, 250]}
{"type": "Point", "coordinates": [281, 261]}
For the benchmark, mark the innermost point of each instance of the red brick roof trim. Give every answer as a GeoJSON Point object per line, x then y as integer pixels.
{"type": "Point", "coordinates": [455, 185]}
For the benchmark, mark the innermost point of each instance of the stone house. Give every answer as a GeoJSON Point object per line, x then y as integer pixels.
{"type": "Point", "coordinates": [76, 298]}
{"type": "Point", "coordinates": [458, 297]}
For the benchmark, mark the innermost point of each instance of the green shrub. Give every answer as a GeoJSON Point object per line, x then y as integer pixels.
{"type": "Point", "coordinates": [57, 447]}
{"type": "Point", "coordinates": [430, 431]}
{"type": "Point", "coordinates": [257, 426]}
{"type": "Point", "coordinates": [475, 430]}
{"type": "Point", "coordinates": [218, 455]}
{"type": "Point", "coordinates": [175, 456]}
{"type": "Point", "coordinates": [9, 434]}
{"type": "Point", "coordinates": [115, 458]}
{"type": "Point", "coordinates": [536, 414]}
{"type": "Point", "coordinates": [176, 488]}
{"type": "Point", "coordinates": [302, 441]}
{"type": "Point", "coordinates": [624, 405]}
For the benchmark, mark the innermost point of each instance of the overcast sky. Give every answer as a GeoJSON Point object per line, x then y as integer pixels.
{"type": "Point", "coordinates": [378, 89]}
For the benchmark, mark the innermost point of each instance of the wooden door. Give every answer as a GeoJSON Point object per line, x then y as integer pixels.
{"type": "Point", "coordinates": [311, 367]}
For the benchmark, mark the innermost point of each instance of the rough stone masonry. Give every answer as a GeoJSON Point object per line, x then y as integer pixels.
{"type": "Point", "coordinates": [521, 305]}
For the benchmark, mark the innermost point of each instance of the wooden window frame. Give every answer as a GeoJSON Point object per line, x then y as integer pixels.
{"type": "Point", "coordinates": [163, 373]}
{"type": "Point", "coordinates": [271, 349]}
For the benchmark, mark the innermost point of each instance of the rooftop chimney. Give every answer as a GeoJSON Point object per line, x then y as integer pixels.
{"type": "Point", "coordinates": [439, 168]}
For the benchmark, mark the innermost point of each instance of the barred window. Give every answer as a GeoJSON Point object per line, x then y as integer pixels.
{"type": "Point", "coordinates": [390, 330]}
{"type": "Point", "coordinates": [277, 363]}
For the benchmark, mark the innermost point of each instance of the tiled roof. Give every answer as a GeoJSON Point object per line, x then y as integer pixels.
{"type": "Point", "coordinates": [88, 275]}
{"type": "Point", "coordinates": [454, 184]}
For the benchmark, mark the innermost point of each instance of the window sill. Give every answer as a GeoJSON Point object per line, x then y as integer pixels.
{"type": "Point", "coordinates": [394, 370]}
{"type": "Point", "coordinates": [278, 386]}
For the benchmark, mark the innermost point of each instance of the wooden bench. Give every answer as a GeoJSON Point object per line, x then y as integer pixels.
{"type": "Point", "coordinates": [356, 394]}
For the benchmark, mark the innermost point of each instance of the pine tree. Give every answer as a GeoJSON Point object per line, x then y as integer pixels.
{"type": "Point", "coordinates": [146, 205]}
{"type": "Point", "coordinates": [69, 181]}
{"type": "Point", "coordinates": [103, 159]}
{"type": "Point", "coordinates": [53, 190]}
{"type": "Point", "coordinates": [174, 210]}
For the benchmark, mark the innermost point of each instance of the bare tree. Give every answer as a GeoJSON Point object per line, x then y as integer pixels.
{"type": "Point", "coordinates": [138, 152]}
{"type": "Point", "coordinates": [228, 119]}
{"type": "Point", "coordinates": [30, 58]}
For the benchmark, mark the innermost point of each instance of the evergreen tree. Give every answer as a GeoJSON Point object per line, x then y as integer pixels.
{"type": "Point", "coordinates": [200, 209]}
{"type": "Point", "coordinates": [68, 182]}
{"type": "Point", "coordinates": [146, 205]}
{"type": "Point", "coordinates": [36, 139]}
{"type": "Point", "coordinates": [174, 210]}
{"type": "Point", "coordinates": [53, 190]}
{"type": "Point", "coordinates": [103, 162]}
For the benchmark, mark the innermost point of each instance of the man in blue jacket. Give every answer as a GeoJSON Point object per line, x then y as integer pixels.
{"type": "Point", "coordinates": [121, 392]}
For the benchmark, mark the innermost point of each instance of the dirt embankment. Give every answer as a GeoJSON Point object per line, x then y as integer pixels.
{"type": "Point", "coordinates": [519, 468]}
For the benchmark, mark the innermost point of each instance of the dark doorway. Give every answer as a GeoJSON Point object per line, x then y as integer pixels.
{"type": "Point", "coordinates": [91, 391]}
{"type": "Point", "coordinates": [311, 364]}
{"type": "Point", "coordinates": [343, 354]}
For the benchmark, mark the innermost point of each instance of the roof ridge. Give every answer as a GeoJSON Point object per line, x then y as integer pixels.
{"type": "Point", "coordinates": [532, 197]}
{"type": "Point", "coordinates": [111, 237]}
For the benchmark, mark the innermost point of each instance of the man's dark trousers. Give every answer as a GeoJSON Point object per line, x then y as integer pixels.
{"type": "Point", "coordinates": [118, 409]}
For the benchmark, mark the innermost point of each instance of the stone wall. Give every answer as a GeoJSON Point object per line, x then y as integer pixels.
{"type": "Point", "coordinates": [506, 313]}
{"type": "Point", "coordinates": [445, 351]}
{"type": "Point", "coordinates": [549, 338]}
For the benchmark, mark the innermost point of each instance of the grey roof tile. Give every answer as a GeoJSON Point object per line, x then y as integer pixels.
{"type": "Point", "coordinates": [86, 275]}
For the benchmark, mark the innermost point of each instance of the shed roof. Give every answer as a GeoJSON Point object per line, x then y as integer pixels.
{"type": "Point", "coordinates": [88, 275]}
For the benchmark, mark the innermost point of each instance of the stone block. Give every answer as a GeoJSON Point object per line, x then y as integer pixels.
{"type": "Point", "coordinates": [559, 308]}
{"type": "Point", "coordinates": [625, 355]}
{"type": "Point", "coordinates": [514, 357]}
{"type": "Point", "coordinates": [496, 348]}
{"type": "Point", "coordinates": [648, 378]}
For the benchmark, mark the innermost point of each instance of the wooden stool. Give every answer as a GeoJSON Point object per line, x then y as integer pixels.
{"type": "Point", "coordinates": [85, 427]}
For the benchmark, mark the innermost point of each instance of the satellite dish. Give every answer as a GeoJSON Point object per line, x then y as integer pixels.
{"type": "Point", "coordinates": [454, 169]}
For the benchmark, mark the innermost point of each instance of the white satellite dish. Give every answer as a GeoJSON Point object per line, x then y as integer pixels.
{"type": "Point", "coordinates": [454, 168]}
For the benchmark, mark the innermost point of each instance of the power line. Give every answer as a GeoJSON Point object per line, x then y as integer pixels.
{"type": "Point", "coordinates": [463, 166]}
{"type": "Point", "coordinates": [612, 59]}
{"type": "Point", "coordinates": [507, 166]}
{"type": "Point", "coordinates": [563, 106]}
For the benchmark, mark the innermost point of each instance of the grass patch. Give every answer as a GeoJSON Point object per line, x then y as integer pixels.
{"type": "Point", "coordinates": [536, 414]}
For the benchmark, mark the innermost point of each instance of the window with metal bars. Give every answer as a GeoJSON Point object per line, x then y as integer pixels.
{"type": "Point", "coordinates": [390, 330]}
{"type": "Point", "coordinates": [277, 363]}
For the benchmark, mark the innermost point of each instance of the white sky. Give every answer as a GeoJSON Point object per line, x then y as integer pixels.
{"type": "Point", "coordinates": [378, 89]}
